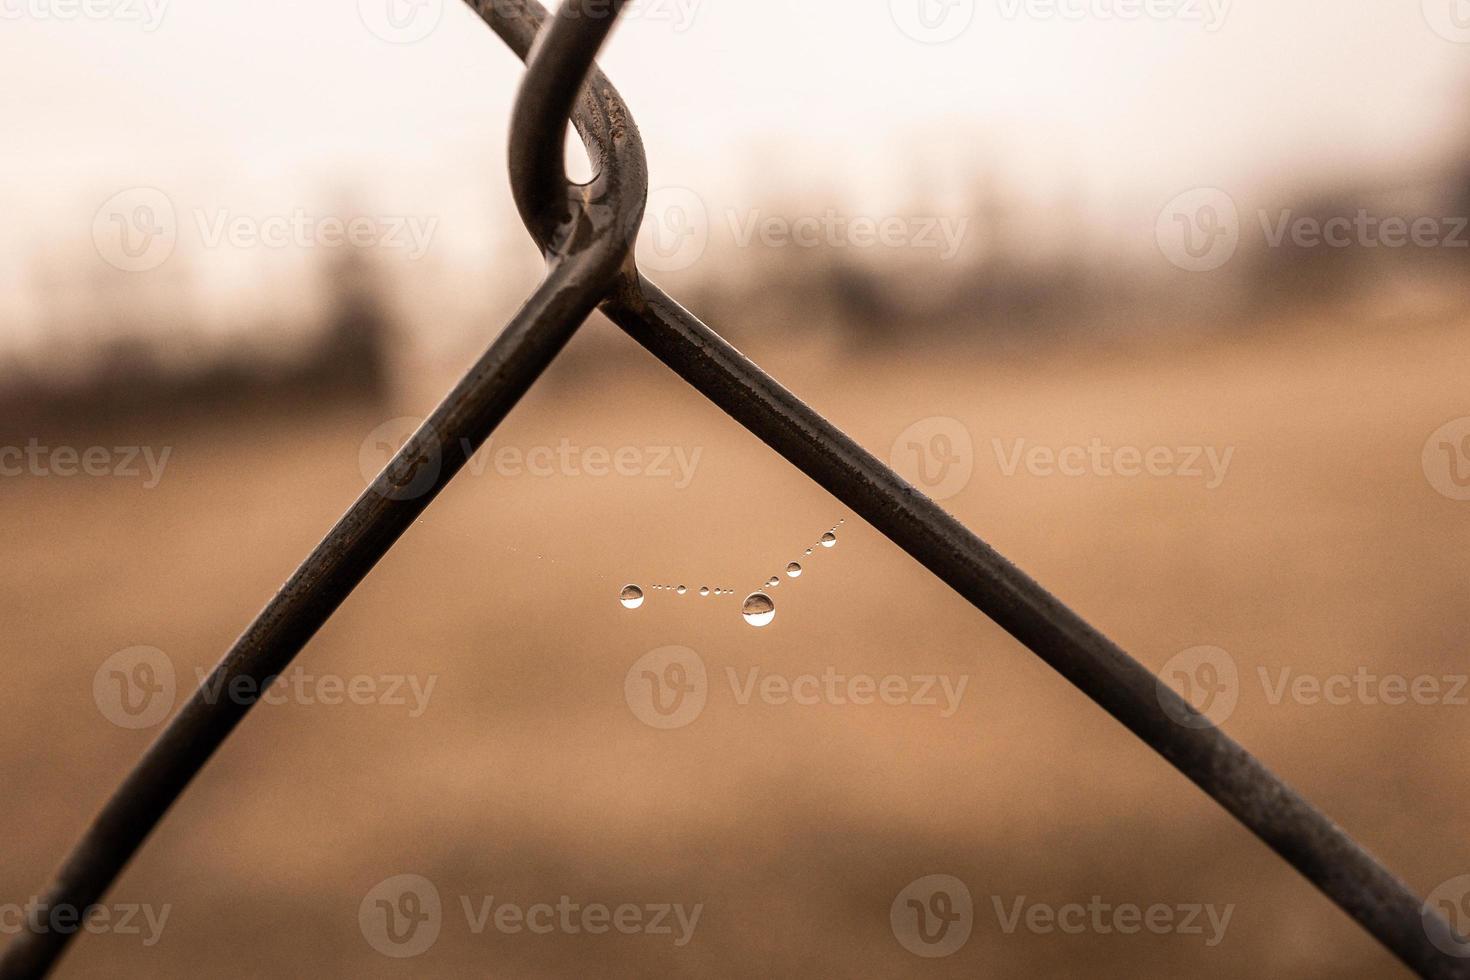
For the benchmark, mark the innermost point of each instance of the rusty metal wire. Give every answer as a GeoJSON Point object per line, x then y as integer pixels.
{"type": "Point", "coordinates": [586, 233]}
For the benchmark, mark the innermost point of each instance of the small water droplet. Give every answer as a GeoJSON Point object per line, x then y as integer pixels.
{"type": "Point", "coordinates": [681, 590]}
{"type": "Point", "coordinates": [772, 582]}
{"type": "Point", "coordinates": [793, 570]}
{"type": "Point", "coordinates": [808, 551]}
{"type": "Point", "coordinates": [829, 540]}
{"type": "Point", "coordinates": [632, 597]}
{"type": "Point", "coordinates": [758, 610]}
{"type": "Point", "coordinates": [704, 590]}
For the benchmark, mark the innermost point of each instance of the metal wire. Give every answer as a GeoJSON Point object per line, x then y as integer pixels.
{"type": "Point", "coordinates": [586, 233]}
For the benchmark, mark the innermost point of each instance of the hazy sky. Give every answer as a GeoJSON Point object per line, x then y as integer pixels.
{"type": "Point", "coordinates": [270, 83]}
{"type": "Point", "coordinates": [231, 102]}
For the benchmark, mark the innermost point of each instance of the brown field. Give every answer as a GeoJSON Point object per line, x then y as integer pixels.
{"type": "Point", "coordinates": [528, 777]}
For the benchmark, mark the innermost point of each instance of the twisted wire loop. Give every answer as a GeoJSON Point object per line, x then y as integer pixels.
{"type": "Point", "coordinates": [586, 233]}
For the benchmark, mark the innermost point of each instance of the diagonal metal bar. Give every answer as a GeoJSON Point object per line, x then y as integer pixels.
{"type": "Point", "coordinates": [1271, 809]}
{"type": "Point", "coordinates": [593, 228]}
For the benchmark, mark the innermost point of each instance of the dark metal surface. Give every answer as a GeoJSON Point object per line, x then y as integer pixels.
{"type": "Point", "coordinates": [586, 233]}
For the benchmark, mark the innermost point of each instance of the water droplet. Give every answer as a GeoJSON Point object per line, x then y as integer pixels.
{"type": "Point", "coordinates": [758, 610]}
{"type": "Point", "coordinates": [793, 570]}
{"type": "Point", "coordinates": [829, 540]}
{"type": "Point", "coordinates": [632, 597]}
{"type": "Point", "coordinates": [704, 590]}
{"type": "Point", "coordinates": [681, 590]}
{"type": "Point", "coordinates": [808, 551]}
{"type": "Point", "coordinates": [772, 582]}
{"type": "Point", "coordinates": [842, 522]}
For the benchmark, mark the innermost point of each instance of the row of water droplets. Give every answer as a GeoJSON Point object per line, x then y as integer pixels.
{"type": "Point", "coordinates": [758, 609]}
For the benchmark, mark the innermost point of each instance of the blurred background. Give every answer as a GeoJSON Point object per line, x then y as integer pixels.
{"type": "Point", "coordinates": [1169, 305]}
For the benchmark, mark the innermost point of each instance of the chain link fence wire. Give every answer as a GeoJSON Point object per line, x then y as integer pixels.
{"type": "Point", "coordinates": [587, 233]}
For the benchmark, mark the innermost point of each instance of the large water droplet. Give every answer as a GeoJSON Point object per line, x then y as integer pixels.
{"type": "Point", "coordinates": [632, 597]}
{"type": "Point", "coordinates": [704, 590]}
{"type": "Point", "coordinates": [829, 540]}
{"type": "Point", "coordinates": [793, 570]}
{"type": "Point", "coordinates": [758, 610]}
{"type": "Point", "coordinates": [681, 590]}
